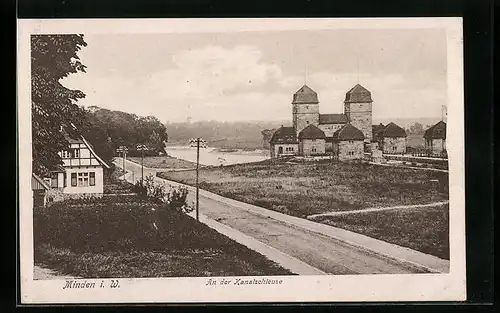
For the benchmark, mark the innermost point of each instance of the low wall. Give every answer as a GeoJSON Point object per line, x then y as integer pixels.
{"type": "Point", "coordinates": [424, 160]}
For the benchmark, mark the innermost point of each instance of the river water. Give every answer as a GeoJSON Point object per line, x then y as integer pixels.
{"type": "Point", "coordinates": [215, 157]}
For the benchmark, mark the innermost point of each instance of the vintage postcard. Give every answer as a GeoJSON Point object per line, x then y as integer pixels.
{"type": "Point", "coordinates": [241, 160]}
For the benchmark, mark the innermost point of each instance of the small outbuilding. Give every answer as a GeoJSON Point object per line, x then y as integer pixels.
{"type": "Point", "coordinates": [435, 138]}
{"type": "Point", "coordinates": [284, 142]}
{"type": "Point", "coordinates": [348, 143]}
{"type": "Point", "coordinates": [39, 189]}
{"type": "Point", "coordinates": [391, 138]}
{"type": "Point", "coordinates": [312, 141]}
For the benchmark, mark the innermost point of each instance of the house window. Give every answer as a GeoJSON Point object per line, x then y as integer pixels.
{"type": "Point", "coordinates": [77, 153]}
{"type": "Point", "coordinates": [73, 179]}
{"type": "Point", "coordinates": [313, 149]}
{"type": "Point", "coordinates": [66, 154]}
{"type": "Point", "coordinates": [53, 180]}
{"type": "Point", "coordinates": [64, 180]}
{"type": "Point", "coordinates": [83, 179]}
{"type": "Point", "coordinates": [92, 178]}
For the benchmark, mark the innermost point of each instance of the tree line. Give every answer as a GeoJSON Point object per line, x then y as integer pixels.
{"type": "Point", "coordinates": [54, 57]}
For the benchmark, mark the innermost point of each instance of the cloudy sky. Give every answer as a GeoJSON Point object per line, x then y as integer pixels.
{"type": "Point", "coordinates": [253, 75]}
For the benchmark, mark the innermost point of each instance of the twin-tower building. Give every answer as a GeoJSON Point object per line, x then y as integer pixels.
{"type": "Point", "coordinates": [343, 134]}
{"type": "Point", "coordinates": [357, 111]}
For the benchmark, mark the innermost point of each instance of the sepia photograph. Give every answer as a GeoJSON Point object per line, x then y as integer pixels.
{"type": "Point", "coordinates": [234, 160]}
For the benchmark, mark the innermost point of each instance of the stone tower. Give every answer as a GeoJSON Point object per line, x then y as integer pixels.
{"type": "Point", "coordinates": [305, 108]}
{"type": "Point", "coordinates": [358, 109]}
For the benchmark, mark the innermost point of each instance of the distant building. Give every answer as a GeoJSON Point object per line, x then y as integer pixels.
{"type": "Point", "coordinates": [435, 138]}
{"type": "Point", "coordinates": [311, 141]}
{"type": "Point", "coordinates": [348, 143]}
{"type": "Point", "coordinates": [357, 114]}
{"type": "Point", "coordinates": [284, 142]}
{"type": "Point", "coordinates": [391, 138]}
{"type": "Point", "coordinates": [330, 123]}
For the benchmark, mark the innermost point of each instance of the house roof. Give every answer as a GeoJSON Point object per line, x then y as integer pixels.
{"type": "Point", "coordinates": [348, 132]}
{"type": "Point", "coordinates": [437, 131]}
{"type": "Point", "coordinates": [71, 138]}
{"type": "Point", "coordinates": [305, 95]}
{"type": "Point", "coordinates": [311, 132]}
{"type": "Point", "coordinates": [95, 154]}
{"type": "Point", "coordinates": [37, 183]}
{"type": "Point", "coordinates": [82, 139]}
{"type": "Point", "coordinates": [358, 94]}
{"type": "Point", "coordinates": [284, 135]}
{"type": "Point", "coordinates": [333, 118]}
{"type": "Point", "coordinates": [393, 131]}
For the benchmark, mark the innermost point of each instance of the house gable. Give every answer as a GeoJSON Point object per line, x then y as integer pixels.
{"type": "Point", "coordinates": [80, 153]}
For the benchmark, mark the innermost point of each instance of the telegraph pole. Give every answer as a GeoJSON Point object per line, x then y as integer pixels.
{"type": "Point", "coordinates": [198, 140]}
{"type": "Point", "coordinates": [197, 179]}
{"type": "Point", "coordinates": [142, 148]}
{"type": "Point", "coordinates": [124, 156]}
{"type": "Point", "coordinates": [123, 150]}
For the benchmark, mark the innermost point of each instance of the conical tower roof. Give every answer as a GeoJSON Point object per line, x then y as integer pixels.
{"type": "Point", "coordinates": [305, 95]}
{"type": "Point", "coordinates": [358, 94]}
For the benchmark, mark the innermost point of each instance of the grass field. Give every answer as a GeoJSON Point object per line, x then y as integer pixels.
{"type": "Point", "coordinates": [319, 187]}
{"type": "Point", "coordinates": [425, 230]}
{"type": "Point", "coordinates": [166, 162]}
{"type": "Point", "coordinates": [127, 236]}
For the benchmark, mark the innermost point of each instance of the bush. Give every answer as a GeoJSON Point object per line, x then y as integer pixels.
{"type": "Point", "coordinates": [176, 200]}
{"type": "Point", "coordinates": [150, 190]}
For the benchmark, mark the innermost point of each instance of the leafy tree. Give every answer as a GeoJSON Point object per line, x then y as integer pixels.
{"type": "Point", "coordinates": [156, 142]}
{"type": "Point", "coordinates": [53, 57]}
{"type": "Point", "coordinates": [121, 128]}
{"type": "Point", "coordinates": [417, 128]}
{"type": "Point", "coordinates": [267, 134]}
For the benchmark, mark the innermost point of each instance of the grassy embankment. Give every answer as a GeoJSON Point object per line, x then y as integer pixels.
{"type": "Point", "coordinates": [122, 236]}
{"type": "Point", "coordinates": [319, 187]}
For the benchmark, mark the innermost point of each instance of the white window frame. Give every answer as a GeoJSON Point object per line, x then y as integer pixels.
{"type": "Point", "coordinates": [83, 179]}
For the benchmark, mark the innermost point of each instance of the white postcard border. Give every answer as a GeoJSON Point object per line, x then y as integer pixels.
{"type": "Point", "coordinates": [359, 288]}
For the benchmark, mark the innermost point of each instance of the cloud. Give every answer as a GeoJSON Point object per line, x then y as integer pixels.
{"type": "Point", "coordinates": [213, 71]}
{"type": "Point", "coordinates": [235, 83]}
